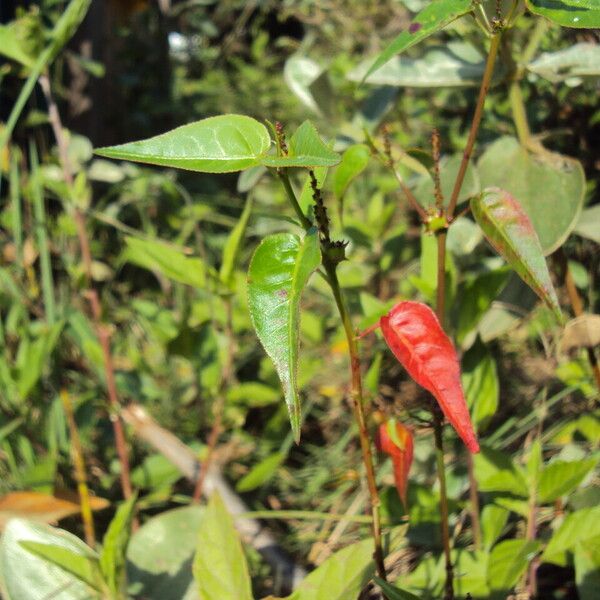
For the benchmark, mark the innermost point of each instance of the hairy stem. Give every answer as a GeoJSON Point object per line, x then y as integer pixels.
{"type": "Point", "coordinates": [359, 413]}
{"type": "Point", "coordinates": [92, 295]}
{"type": "Point", "coordinates": [483, 90]}
{"type": "Point", "coordinates": [79, 467]}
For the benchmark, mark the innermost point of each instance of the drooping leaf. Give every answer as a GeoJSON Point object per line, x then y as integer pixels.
{"type": "Point", "coordinates": [509, 230]}
{"type": "Point", "coordinates": [544, 183]}
{"type": "Point", "coordinates": [396, 440]}
{"type": "Point", "coordinates": [220, 568]}
{"type": "Point", "coordinates": [84, 567]}
{"type": "Point", "coordinates": [26, 576]}
{"type": "Point", "coordinates": [160, 553]}
{"type": "Point", "coordinates": [568, 13]}
{"type": "Point", "coordinates": [413, 333]}
{"type": "Point", "coordinates": [279, 271]}
{"type": "Point", "coordinates": [114, 544]}
{"type": "Point", "coordinates": [432, 18]}
{"type": "Point", "coordinates": [392, 592]}
{"type": "Point", "coordinates": [162, 258]}
{"type": "Point", "coordinates": [561, 477]}
{"type": "Point", "coordinates": [305, 149]}
{"type": "Point", "coordinates": [233, 244]}
{"type": "Point", "coordinates": [508, 561]}
{"type": "Point", "coordinates": [580, 526]}
{"type": "Point", "coordinates": [341, 576]}
{"type": "Point", "coordinates": [354, 161]}
{"type": "Point", "coordinates": [215, 145]}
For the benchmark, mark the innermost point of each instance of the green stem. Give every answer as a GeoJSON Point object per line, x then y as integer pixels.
{"type": "Point", "coordinates": [359, 413]}
{"type": "Point", "coordinates": [518, 113]}
{"type": "Point", "coordinates": [39, 214]}
{"type": "Point", "coordinates": [285, 180]}
{"type": "Point", "coordinates": [483, 90]}
{"type": "Point", "coordinates": [439, 455]}
{"type": "Point", "coordinates": [15, 197]}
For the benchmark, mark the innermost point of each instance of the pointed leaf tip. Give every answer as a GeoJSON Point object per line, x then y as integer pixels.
{"type": "Point", "coordinates": [509, 231]}
{"type": "Point", "coordinates": [279, 271]}
{"type": "Point", "coordinates": [415, 336]}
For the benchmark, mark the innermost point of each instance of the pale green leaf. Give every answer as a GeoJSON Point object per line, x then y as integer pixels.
{"type": "Point", "coordinates": [215, 145]}
{"type": "Point", "coordinates": [587, 569]}
{"type": "Point", "coordinates": [561, 477]}
{"type": "Point", "coordinates": [493, 521]}
{"type": "Point", "coordinates": [233, 245]}
{"type": "Point", "coordinates": [580, 526]}
{"type": "Point", "coordinates": [568, 13]}
{"type": "Point", "coordinates": [508, 561]}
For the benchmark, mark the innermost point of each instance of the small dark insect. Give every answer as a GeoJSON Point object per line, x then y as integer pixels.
{"type": "Point", "coordinates": [414, 27]}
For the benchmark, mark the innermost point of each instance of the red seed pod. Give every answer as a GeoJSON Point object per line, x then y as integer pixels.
{"type": "Point", "coordinates": [395, 439]}
{"type": "Point", "coordinates": [415, 336]}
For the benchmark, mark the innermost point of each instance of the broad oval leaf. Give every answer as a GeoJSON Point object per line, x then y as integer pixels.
{"type": "Point", "coordinates": [432, 18]}
{"type": "Point", "coordinates": [568, 13]}
{"type": "Point", "coordinates": [509, 230]}
{"type": "Point", "coordinates": [220, 567]}
{"type": "Point", "coordinates": [160, 552]}
{"type": "Point", "coordinates": [25, 576]}
{"type": "Point", "coordinates": [215, 145]}
{"type": "Point", "coordinates": [305, 149]}
{"type": "Point", "coordinates": [279, 271]}
{"type": "Point", "coordinates": [544, 182]}
{"type": "Point", "coordinates": [561, 477]}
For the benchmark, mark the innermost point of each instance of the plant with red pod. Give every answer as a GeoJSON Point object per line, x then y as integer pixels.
{"type": "Point", "coordinates": [396, 440]}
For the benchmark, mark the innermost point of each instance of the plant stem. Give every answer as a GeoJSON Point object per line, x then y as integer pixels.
{"type": "Point", "coordinates": [517, 107]}
{"type": "Point", "coordinates": [15, 198]}
{"type": "Point", "coordinates": [359, 413]}
{"type": "Point", "coordinates": [441, 276]}
{"type": "Point", "coordinates": [356, 379]}
{"type": "Point", "coordinates": [474, 502]}
{"type": "Point", "coordinates": [439, 454]}
{"type": "Point", "coordinates": [92, 295]}
{"type": "Point", "coordinates": [285, 180]}
{"type": "Point", "coordinates": [79, 466]}
{"type": "Point", "coordinates": [483, 90]}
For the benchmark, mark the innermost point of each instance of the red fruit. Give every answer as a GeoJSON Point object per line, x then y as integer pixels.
{"type": "Point", "coordinates": [415, 336]}
{"type": "Point", "coordinates": [395, 439]}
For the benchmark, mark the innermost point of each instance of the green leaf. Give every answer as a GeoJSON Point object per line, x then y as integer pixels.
{"type": "Point", "coordinates": [162, 258]}
{"type": "Point", "coordinates": [477, 295]}
{"type": "Point", "coordinates": [392, 592]}
{"type": "Point", "coordinates": [545, 184]}
{"type": "Point", "coordinates": [342, 576]}
{"type": "Point", "coordinates": [493, 521]}
{"type": "Point", "coordinates": [12, 47]}
{"type": "Point", "coordinates": [83, 566]}
{"type": "Point", "coordinates": [588, 225]}
{"type": "Point", "coordinates": [508, 229]}
{"type": "Point", "coordinates": [432, 18]}
{"type": "Point", "coordinates": [300, 72]}
{"type": "Point", "coordinates": [280, 269]}
{"type": "Point", "coordinates": [305, 149]}
{"type": "Point", "coordinates": [215, 145]}
{"type": "Point", "coordinates": [233, 244]}
{"type": "Point", "coordinates": [568, 13]}
{"type": "Point", "coordinates": [480, 383]}
{"type": "Point", "coordinates": [577, 61]}
{"type": "Point", "coordinates": [580, 526]}
{"type": "Point", "coordinates": [114, 544]}
{"type": "Point", "coordinates": [220, 567]}
{"type": "Point", "coordinates": [25, 576]}
{"type": "Point", "coordinates": [261, 472]}
{"type": "Point", "coordinates": [354, 161]}
{"type": "Point", "coordinates": [457, 64]}
{"type": "Point", "coordinates": [160, 553]}
{"type": "Point", "coordinates": [496, 472]}
{"type": "Point", "coordinates": [561, 477]}
{"type": "Point", "coordinates": [508, 561]}
{"type": "Point", "coordinates": [587, 569]}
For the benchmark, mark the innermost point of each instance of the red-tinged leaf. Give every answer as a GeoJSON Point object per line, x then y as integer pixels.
{"type": "Point", "coordinates": [415, 336]}
{"type": "Point", "coordinates": [396, 440]}
{"type": "Point", "coordinates": [510, 232]}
